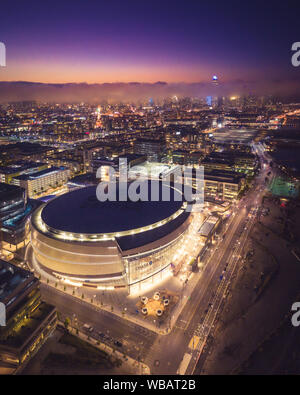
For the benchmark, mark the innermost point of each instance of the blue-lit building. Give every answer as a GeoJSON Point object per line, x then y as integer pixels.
{"type": "Point", "coordinates": [15, 210]}
{"type": "Point", "coordinates": [209, 101]}
{"type": "Point", "coordinates": [215, 80]}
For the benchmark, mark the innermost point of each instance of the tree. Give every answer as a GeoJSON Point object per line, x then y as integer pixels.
{"type": "Point", "coordinates": [67, 323]}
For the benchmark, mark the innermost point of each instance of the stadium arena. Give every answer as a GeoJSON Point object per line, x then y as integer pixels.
{"type": "Point", "coordinates": [112, 244]}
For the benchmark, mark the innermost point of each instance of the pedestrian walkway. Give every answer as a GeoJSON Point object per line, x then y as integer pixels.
{"type": "Point", "coordinates": [119, 303]}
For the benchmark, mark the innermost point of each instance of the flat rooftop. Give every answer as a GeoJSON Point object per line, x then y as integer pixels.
{"type": "Point", "coordinates": [223, 176]}
{"type": "Point", "coordinates": [130, 157]}
{"type": "Point", "coordinates": [230, 155]}
{"type": "Point", "coordinates": [208, 226]}
{"type": "Point", "coordinates": [84, 179]}
{"type": "Point", "coordinates": [21, 334]}
{"type": "Point", "coordinates": [234, 136]}
{"type": "Point", "coordinates": [151, 169]}
{"type": "Point", "coordinates": [148, 140]}
{"type": "Point", "coordinates": [11, 277]}
{"type": "Point", "coordinates": [8, 191]}
{"type": "Point", "coordinates": [39, 174]}
{"type": "Point", "coordinates": [209, 160]}
{"type": "Point", "coordinates": [19, 167]}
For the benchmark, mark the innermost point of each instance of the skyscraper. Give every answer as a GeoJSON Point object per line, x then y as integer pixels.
{"type": "Point", "coordinates": [218, 99]}
{"type": "Point", "coordinates": [215, 81]}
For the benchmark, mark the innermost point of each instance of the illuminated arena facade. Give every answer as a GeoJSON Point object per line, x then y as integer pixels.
{"type": "Point", "coordinates": [109, 245]}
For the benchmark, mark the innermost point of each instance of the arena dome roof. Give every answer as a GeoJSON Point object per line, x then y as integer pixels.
{"type": "Point", "coordinates": [80, 211]}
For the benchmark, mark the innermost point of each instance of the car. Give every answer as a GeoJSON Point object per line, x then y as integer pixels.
{"type": "Point", "coordinates": [117, 343]}
{"type": "Point", "coordinates": [88, 327]}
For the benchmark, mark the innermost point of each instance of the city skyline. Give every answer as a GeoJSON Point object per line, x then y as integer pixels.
{"type": "Point", "coordinates": [149, 191]}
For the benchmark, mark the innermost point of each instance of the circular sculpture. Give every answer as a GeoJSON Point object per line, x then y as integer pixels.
{"type": "Point", "coordinates": [145, 299]}
{"type": "Point", "coordinates": [156, 296]}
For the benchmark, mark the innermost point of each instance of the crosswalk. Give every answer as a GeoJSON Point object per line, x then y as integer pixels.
{"type": "Point", "coordinates": [181, 324]}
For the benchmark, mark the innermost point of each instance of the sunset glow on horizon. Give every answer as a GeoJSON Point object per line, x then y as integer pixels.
{"type": "Point", "coordinates": [94, 42]}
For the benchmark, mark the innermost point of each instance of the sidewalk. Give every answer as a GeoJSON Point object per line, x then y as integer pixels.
{"type": "Point", "coordinates": [119, 303]}
{"type": "Point", "coordinates": [164, 329]}
{"type": "Point", "coordinates": [141, 368]}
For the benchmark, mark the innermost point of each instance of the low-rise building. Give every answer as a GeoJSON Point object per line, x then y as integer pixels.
{"type": "Point", "coordinates": [43, 180]}
{"type": "Point", "coordinates": [230, 161]}
{"type": "Point", "coordinates": [186, 158]}
{"type": "Point", "coordinates": [221, 186]}
{"type": "Point", "coordinates": [208, 228]}
{"type": "Point", "coordinates": [28, 320]}
{"type": "Point", "coordinates": [150, 147]}
{"type": "Point", "coordinates": [8, 173]}
{"type": "Point", "coordinates": [15, 210]}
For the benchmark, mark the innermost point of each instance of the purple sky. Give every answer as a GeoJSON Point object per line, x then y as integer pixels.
{"type": "Point", "coordinates": [112, 41]}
